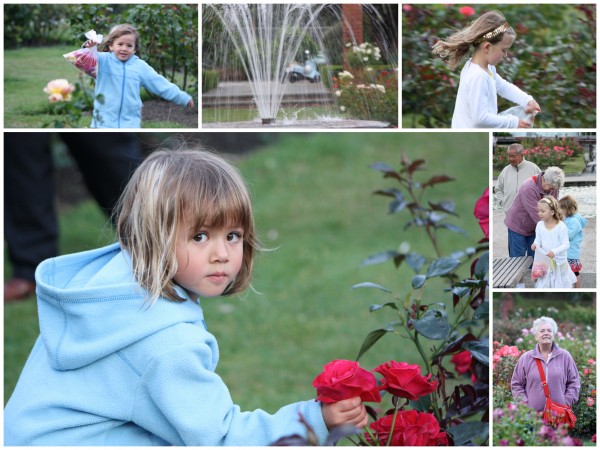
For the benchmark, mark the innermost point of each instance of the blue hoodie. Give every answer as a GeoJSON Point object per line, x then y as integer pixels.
{"type": "Point", "coordinates": [575, 223]}
{"type": "Point", "coordinates": [109, 369]}
{"type": "Point", "coordinates": [119, 84]}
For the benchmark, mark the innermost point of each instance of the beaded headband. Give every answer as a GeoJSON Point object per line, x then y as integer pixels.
{"type": "Point", "coordinates": [492, 34]}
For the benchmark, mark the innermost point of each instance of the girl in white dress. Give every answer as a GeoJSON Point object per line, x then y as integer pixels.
{"type": "Point", "coordinates": [490, 37]}
{"type": "Point", "coordinates": [552, 240]}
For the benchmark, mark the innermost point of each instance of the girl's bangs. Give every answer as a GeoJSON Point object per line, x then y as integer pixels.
{"type": "Point", "coordinates": [224, 207]}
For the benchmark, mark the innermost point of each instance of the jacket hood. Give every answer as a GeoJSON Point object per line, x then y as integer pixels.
{"type": "Point", "coordinates": [90, 306]}
{"type": "Point", "coordinates": [582, 220]}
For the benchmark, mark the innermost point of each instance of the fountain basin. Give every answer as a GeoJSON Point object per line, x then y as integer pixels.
{"type": "Point", "coordinates": [316, 123]}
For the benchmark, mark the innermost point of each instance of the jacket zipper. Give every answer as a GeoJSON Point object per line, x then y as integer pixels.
{"type": "Point", "coordinates": [122, 96]}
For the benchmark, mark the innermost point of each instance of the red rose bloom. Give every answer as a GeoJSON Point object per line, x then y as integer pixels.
{"type": "Point", "coordinates": [404, 380]}
{"type": "Point", "coordinates": [482, 212]}
{"type": "Point", "coordinates": [462, 361]}
{"type": "Point", "coordinates": [466, 11]}
{"type": "Point", "coordinates": [412, 428]}
{"type": "Point", "coordinates": [342, 379]}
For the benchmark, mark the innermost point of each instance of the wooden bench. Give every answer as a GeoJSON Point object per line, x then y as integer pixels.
{"type": "Point", "coordinates": [507, 272]}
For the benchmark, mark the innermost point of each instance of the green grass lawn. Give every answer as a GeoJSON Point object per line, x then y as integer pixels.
{"type": "Point", "coordinates": [26, 72]}
{"type": "Point", "coordinates": [314, 208]}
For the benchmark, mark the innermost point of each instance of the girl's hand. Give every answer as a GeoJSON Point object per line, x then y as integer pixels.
{"type": "Point", "coordinates": [524, 124]}
{"type": "Point", "coordinates": [533, 247]}
{"type": "Point", "coordinates": [90, 43]}
{"type": "Point", "coordinates": [350, 411]}
{"type": "Point", "coordinates": [550, 254]}
{"type": "Point", "coordinates": [532, 106]}
{"type": "Point", "coordinates": [191, 103]}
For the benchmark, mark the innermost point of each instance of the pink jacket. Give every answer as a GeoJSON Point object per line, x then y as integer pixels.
{"type": "Point", "coordinates": [561, 374]}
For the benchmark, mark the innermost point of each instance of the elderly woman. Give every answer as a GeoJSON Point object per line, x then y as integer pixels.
{"type": "Point", "coordinates": [559, 368]}
{"type": "Point", "coordinates": [522, 216]}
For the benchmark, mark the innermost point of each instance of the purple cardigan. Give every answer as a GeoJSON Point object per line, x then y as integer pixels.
{"type": "Point", "coordinates": [561, 374]}
{"type": "Point", "coordinates": [522, 216]}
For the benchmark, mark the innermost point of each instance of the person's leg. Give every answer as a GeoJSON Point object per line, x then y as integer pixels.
{"type": "Point", "coordinates": [106, 161]}
{"type": "Point", "coordinates": [30, 224]}
{"type": "Point", "coordinates": [529, 242]}
{"type": "Point", "coordinates": [517, 244]}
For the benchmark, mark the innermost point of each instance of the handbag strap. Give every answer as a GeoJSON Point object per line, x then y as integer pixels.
{"type": "Point", "coordinates": [543, 377]}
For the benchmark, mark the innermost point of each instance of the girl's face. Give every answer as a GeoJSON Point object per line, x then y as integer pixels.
{"type": "Point", "coordinates": [545, 213]}
{"type": "Point", "coordinates": [209, 259]}
{"type": "Point", "coordinates": [497, 52]}
{"type": "Point", "coordinates": [123, 47]}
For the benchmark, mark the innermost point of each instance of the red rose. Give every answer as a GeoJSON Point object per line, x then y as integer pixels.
{"type": "Point", "coordinates": [405, 380]}
{"type": "Point", "coordinates": [411, 428]}
{"type": "Point", "coordinates": [342, 379]}
{"type": "Point", "coordinates": [482, 212]}
{"type": "Point", "coordinates": [462, 361]}
{"type": "Point", "coordinates": [466, 11]}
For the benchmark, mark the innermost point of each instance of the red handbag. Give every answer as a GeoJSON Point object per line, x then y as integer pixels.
{"type": "Point", "coordinates": [555, 414]}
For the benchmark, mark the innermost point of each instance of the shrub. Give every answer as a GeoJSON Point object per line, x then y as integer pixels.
{"type": "Point", "coordinates": [210, 80]}
{"type": "Point", "coordinates": [368, 94]}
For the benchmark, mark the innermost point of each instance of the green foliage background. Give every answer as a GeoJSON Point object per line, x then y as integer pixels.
{"type": "Point", "coordinates": [553, 59]}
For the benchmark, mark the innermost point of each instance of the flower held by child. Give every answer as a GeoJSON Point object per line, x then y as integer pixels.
{"type": "Point", "coordinates": [342, 379]}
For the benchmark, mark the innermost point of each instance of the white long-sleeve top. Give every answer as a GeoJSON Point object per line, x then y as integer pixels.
{"type": "Point", "coordinates": [477, 99]}
{"type": "Point", "coordinates": [556, 239]}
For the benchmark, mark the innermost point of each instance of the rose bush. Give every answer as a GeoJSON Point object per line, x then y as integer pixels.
{"type": "Point", "coordinates": [68, 102]}
{"type": "Point", "coordinates": [553, 59]}
{"type": "Point", "coordinates": [432, 404]}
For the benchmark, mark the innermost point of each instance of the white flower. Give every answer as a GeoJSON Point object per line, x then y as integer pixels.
{"type": "Point", "coordinates": [345, 74]}
{"type": "Point", "coordinates": [369, 69]}
{"type": "Point", "coordinates": [338, 93]}
{"type": "Point", "coordinates": [342, 108]}
{"type": "Point", "coordinates": [366, 58]}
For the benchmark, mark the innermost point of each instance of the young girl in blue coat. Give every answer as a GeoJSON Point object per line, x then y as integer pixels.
{"type": "Point", "coordinates": [120, 75]}
{"type": "Point", "coordinates": [124, 355]}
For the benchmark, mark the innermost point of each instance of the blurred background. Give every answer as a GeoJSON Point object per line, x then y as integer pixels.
{"type": "Point", "coordinates": [553, 58]}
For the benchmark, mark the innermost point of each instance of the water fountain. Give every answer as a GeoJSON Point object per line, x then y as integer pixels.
{"type": "Point", "coordinates": [261, 40]}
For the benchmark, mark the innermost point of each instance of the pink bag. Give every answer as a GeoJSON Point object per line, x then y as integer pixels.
{"type": "Point", "coordinates": [86, 59]}
{"type": "Point", "coordinates": [541, 263]}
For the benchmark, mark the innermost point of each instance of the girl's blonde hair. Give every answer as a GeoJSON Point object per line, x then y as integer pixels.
{"type": "Point", "coordinates": [553, 204]}
{"type": "Point", "coordinates": [489, 27]}
{"type": "Point", "coordinates": [181, 189]}
{"type": "Point", "coordinates": [116, 32]}
{"type": "Point", "coordinates": [568, 204]}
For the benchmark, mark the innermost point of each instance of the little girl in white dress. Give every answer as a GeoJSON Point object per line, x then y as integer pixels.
{"type": "Point", "coordinates": [552, 240]}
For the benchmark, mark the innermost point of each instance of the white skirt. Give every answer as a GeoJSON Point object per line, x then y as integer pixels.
{"type": "Point", "coordinates": [558, 276]}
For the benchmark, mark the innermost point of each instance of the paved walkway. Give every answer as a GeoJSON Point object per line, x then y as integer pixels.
{"type": "Point", "coordinates": [588, 248]}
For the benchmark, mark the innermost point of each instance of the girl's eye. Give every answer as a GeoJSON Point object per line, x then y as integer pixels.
{"type": "Point", "coordinates": [234, 237]}
{"type": "Point", "coordinates": [200, 237]}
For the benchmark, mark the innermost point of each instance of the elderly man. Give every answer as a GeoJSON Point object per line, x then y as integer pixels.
{"type": "Point", "coordinates": [512, 176]}
{"type": "Point", "coordinates": [522, 217]}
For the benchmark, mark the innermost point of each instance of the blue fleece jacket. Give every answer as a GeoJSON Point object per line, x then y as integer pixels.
{"type": "Point", "coordinates": [109, 369]}
{"type": "Point", "coordinates": [575, 223]}
{"type": "Point", "coordinates": [119, 85]}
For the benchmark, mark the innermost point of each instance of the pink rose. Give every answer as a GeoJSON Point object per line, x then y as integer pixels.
{"type": "Point", "coordinates": [482, 212]}
{"type": "Point", "coordinates": [467, 11]}
{"type": "Point", "coordinates": [412, 428]}
{"type": "Point", "coordinates": [405, 380]}
{"type": "Point", "coordinates": [342, 379]}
